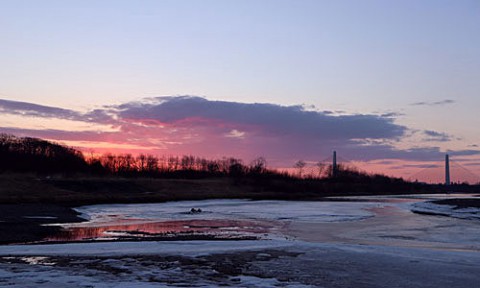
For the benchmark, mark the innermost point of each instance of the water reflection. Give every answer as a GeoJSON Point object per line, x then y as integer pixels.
{"type": "Point", "coordinates": [221, 228]}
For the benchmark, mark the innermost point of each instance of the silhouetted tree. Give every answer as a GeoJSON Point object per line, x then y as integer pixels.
{"type": "Point", "coordinates": [258, 166]}
{"type": "Point", "coordinates": [299, 165]}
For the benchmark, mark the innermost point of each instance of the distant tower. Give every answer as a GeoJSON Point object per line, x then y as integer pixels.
{"type": "Point", "coordinates": [334, 164]}
{"type": "Point", "coordinates": [447, 170]}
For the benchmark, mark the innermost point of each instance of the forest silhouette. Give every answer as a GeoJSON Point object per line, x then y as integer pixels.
{"type": "Point", "coordinates": [48, 159]}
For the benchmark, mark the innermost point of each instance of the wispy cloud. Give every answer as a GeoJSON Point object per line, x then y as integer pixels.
{"type": "Point", "coordinates": [435, 103]}
{"type": "Point", "coordinates": [30, 109]}
{"type": "Point", "coordinates": [417, 166]}
{"type": "Point", "coordinates": [434, 136]}
{"type": "Point", "coordinates": [36, 110]}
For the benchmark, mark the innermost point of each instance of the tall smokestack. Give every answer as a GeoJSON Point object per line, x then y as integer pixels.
{"type": "Point", "coordinates": [447, 170]}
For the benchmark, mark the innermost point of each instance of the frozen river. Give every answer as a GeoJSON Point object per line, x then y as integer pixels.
{"type": "Point", "coordinates": [386, 220]}
{"type": "Point", "coordinates": [345, 242]}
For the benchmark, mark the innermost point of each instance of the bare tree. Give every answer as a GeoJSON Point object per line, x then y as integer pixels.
{"type": "Point", "coordinates": [258, 165]}
{"type": "Point", "coordinates": [142, 162]}
{"type": "Point", "coordinates": [152, 164]}
{"type": "Point", "coordinates": [321, 168]}
{"type": "Point", "coordinates": [300, 165]}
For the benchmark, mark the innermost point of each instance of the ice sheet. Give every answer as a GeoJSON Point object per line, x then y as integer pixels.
{"type": "Point", "coordinates": [447, 210]}
{"type": "Point", "coordinates": [238, 209]}
{"type": "Point", "coordinates": [192, 248]}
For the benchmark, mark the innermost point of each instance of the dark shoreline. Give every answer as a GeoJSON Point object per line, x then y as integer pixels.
{"type": "Point", "coordinates": [459, 203]}
{"type": "Point", "coordinates": [23, 223]}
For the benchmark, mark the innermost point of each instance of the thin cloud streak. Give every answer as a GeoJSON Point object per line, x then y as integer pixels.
{"type": "Point", "coordinates": [36, 110]}
{"type": "Point", "coordinates": [436, 103]}
{"type": "Point", "coordinates": [30, 109]}
{"type": "Point", "coordinates": [434, 136]}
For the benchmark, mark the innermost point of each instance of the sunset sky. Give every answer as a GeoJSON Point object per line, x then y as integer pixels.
{"type": "Point", "coordinates": [393, 85]}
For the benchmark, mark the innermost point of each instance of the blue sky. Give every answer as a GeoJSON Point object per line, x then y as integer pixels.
{"type": "Point", "coordinates": [417, 61]}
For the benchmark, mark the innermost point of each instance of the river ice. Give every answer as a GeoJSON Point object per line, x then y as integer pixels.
{"type": "Point", "coordinates": [236, 209]}
{"type": "Point", "coordinates": [371, 242]}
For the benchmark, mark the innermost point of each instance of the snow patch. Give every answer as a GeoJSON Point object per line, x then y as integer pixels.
{"type": "Point", "coordinates": [38, 260]}
{"type": "Point", "coordinates": [189, 248]}
{"type": "Point", "coordinates": [446, 210]}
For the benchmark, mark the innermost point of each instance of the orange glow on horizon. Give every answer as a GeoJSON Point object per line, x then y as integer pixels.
{"type": "Point", "coordinates": [423, 171]}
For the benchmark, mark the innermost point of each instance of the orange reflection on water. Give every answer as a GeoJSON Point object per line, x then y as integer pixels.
{"type": "Point", "coordinates": [164, 228]}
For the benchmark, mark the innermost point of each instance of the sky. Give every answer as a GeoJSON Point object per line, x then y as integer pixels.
{"type": "Point", "coordinates": [392, 85]}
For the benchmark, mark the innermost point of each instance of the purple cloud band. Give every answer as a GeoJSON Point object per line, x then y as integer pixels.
{"type": "Point", "coordinates": [270, 119]}
{"type": "Point", "coordinates": [189, 124]}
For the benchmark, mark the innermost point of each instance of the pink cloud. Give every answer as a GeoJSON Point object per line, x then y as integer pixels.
{"type": "Point", "coordinates": [212, 129]}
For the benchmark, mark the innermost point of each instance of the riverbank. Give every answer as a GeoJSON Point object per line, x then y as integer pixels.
{"type": "Point", "coordinates": [23, 223]}
{"type": "Point", "coordinates": [79, 191]}
{"type": "Point", "coordinates": [28, 201]}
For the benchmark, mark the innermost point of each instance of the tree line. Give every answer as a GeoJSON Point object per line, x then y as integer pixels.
{"type": "Point", "coordinates": [32, 155]}
{"type": "Point", "coordinates": [26, 154]}
{"type": "Point", "coordinates": [175, 166]}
